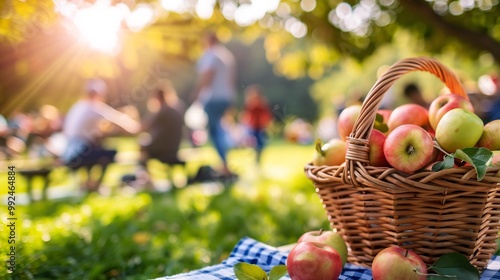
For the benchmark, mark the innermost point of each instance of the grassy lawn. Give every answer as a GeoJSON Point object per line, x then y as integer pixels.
{"type": "Point", "coordinates": [128, 235]}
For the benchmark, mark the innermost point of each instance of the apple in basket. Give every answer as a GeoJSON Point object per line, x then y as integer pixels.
{"type": "Point", "coordinates": [346, 120]}
{"type": "Point", "coordinates": [444, 103]}
{"type": "Point", "coordinates": [495, 160]}
{"type": "Point", "coordinates": [409, 148]}
{"type": "Point", "coordinates": [376, 145]}
{"type": "Point", "coordinates": [313, 261]}
{"type": "Point", "coordinates": [408, 114]}
{"type": "Point", "coordinates": [458, 129]}
{"type": "Point", "coordinates": [329, 237]}
{"type": "Point", "coordinates": [490, 138]}
{"type": "Point", "coordinates": [331, 153]}
{"type": "Point", "coordinates": [396, 263]}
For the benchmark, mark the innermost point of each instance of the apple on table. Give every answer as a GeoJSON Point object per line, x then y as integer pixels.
{"type": "Point", "coordinates": [313, 261]}
{"type": "Point", "coordinates": [396, 263]}
{"type": "Point", "coordinates": [329, 237]}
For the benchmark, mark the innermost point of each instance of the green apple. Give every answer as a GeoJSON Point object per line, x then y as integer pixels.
{"type": "Point", "coordinates": [331, 153]}
{"type": "Point", "coordinates": [490, 138]}
{"type": "Point", "coordinates": [458, 129]}
{"type": "Point", "coordinates": [330, 238]}
{"type": "Point", "coordinates": [444, 103]}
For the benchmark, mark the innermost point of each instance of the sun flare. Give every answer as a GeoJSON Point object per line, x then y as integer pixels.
{"type": "Point", "coordinates": [99, 26]}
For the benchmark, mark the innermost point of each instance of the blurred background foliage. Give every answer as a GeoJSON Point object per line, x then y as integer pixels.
{"type": "Point", "coordinates": [297, 49]}
{"type": "Point", "coordinates": [128, 235]}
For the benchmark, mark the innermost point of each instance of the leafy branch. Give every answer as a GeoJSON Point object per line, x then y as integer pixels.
{"type": "Point", "coordinates": [477, 157]}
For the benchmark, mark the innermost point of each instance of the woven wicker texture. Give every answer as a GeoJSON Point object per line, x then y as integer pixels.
{"type": "Point", "coordinates": [429, 212]}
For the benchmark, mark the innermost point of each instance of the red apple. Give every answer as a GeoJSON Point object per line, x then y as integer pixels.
{"type": "Point", "coordinates": [408, 114]}
{"type": "Point", "coordinates": [496, 158]}
{"type": "Point", "coordinates": [490, 138]}
{"type": "Point", "coordinates": [458, 129]}
{"type": "Point", "coordinates": [376, 145]}
{"type": "Point", "coordinates": [396, 263]}
{"type": "Point", "coordinates": [331, 238]}
{"type": "Point", "coordinates": [331, 153]}
{"type": "Point", "coordinates": [313, 261]}
{"type": "Point", "coordinates": [444, 103]}
{"type": "Point", "coordinates": [409, 148]}
{"type": "Point", "coordinates": [346, 120]}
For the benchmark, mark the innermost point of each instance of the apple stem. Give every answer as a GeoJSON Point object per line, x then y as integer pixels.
{"type": "Point", "coordinates": [436, 145]}
{"type": "Point", "coordinates": [434, 274]}
{"type": "Point", "coordinates": [320, 231]}
{"type": "Point", "coordinates": [410, 150]}
{"type": "Point", "coordinates": [319, 145]}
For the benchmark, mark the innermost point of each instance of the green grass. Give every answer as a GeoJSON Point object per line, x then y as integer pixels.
{"type": "Point", "coordinates": [144, 235]}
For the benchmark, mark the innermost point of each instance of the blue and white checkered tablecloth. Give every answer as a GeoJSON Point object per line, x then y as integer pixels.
{"type": "Point", "coordinates": [252, 251]}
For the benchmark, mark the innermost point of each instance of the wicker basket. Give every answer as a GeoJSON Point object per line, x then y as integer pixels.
{"type": "Point", "coordinates": [431, 213]}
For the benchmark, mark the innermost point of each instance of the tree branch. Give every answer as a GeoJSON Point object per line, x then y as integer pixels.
{"type": "Point", "coordinates": [477, 40]}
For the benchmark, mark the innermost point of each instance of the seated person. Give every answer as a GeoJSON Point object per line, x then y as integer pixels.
{"type": "Point", "coordinates": [413, 93]}
{"type": "Point", "coordinates": [82, 128]}
{"type": "Point", "coordinates": [163, 125]}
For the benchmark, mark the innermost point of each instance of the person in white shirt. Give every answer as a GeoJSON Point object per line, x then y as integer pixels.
{"type": "Point", "coordinates": [82, 128]}
{"type": "Point", "coordinates": [216, 90]}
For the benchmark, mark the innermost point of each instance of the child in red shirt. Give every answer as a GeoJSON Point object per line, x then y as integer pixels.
{"type": "Point", "coordinates": [256, 116]}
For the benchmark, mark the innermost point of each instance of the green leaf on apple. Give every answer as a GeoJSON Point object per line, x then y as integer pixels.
{"type": "Point", "coordinates": [277, 272]}
{"type": "Point", "coordinates": [448, 162]}
{"type": "Point", "coordinates": [246, 271]}
{"type": "Point", "coordinates": [379, 124]}
{"type": "Point", "coordinates": [454, 266]}
{"type": "Point", "coordinates": [477, 157]}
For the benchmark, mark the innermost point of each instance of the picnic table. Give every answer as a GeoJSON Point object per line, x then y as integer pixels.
{"type": "Point", "coordinates": [252, 251]}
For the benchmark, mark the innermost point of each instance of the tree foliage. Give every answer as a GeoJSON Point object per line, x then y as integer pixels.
{"type": "Point", "coordinates": [333, 28]}
{"type": "Point", "coordinates": [301, 38]}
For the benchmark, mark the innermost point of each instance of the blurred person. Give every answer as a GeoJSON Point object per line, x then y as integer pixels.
{"type": "Point", "coordinates": [299, 131]}
{"type": "Point", "coordinates": [163, 126]}
{"type": "Point", "coordinates": [19, 127]}
{"type": "Point", "coordinates": [4, 134]}
{"type": "Point", "coordinates": [46, 122]}
{"type": "Point", "coordinates": [413, 93]}
{"type": "Point", "coordinates": [216, 90]}
{"type": "Point", "coordinates": [83, 129]}
{"type": "Point", "coordinates": [492, 109]}
{"type": "Point", "coordinates": [257, 116]}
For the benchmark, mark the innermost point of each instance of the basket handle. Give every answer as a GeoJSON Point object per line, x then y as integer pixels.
{"type": "Point", "coordinates": [357, 142]}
